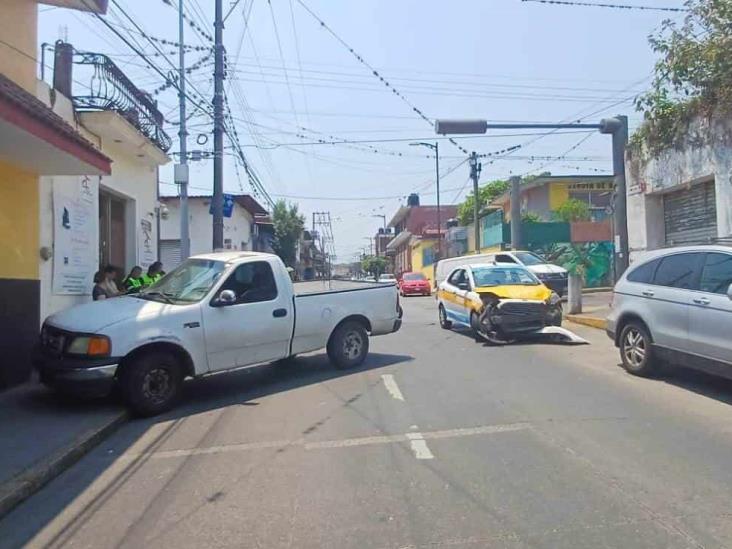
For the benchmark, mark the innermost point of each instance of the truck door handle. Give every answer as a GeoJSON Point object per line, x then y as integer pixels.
{"type": "Point", "coordinates": [279, 313]}
{"type": "Point", "coordinates": [701, 301]}
{"type": "Point", "coordinates": [647, 293]}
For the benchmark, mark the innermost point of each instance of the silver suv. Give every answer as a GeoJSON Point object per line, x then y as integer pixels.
{"type": "Point", "coordinates": [675, 305]}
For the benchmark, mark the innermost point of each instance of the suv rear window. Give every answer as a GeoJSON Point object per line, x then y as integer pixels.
{"type": "Point", "coordinates": [643, 273]}
{"type": "Point", "coordinates": [677, 271]}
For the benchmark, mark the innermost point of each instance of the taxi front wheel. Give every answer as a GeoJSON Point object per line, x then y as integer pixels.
{"type": "Point", "coordinates": [444, 323]}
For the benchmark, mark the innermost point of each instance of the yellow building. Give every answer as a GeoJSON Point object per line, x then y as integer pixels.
{"type": "Point", "coordinates": [34, 142]}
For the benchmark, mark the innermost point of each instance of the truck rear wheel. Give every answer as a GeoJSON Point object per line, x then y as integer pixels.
{"type": "Point", "coordinates": [151, 383]}
{"type": "Point", "coordinates": [349, 345]}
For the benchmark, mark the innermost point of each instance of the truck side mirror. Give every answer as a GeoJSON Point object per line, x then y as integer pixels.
{"type": "Point", "coordinates": [729, 291]}
{"type": "Point", "coordinates": [226, 297]}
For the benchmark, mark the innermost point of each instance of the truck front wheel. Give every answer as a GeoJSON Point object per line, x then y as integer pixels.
{"type": "Point", "coordinates": [349, 345]}
{"type": "Point", "coordinates": [151, 383]}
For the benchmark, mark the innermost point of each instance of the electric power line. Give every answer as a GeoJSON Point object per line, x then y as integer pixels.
{"type": "Point", "coordinates": [604, 5]}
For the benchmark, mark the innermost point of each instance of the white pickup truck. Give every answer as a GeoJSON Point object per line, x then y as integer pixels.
{"type": "Point", "coordinates": [214, 312]}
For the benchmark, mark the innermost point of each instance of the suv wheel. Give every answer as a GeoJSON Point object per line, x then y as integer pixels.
{"type": "Point", "coordinates": [636, 349]}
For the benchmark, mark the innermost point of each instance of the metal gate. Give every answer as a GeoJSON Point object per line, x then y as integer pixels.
{"type": "Point", "coordinates": [690, 215]}
{"type": "Point", "coordinates": [170, 254]}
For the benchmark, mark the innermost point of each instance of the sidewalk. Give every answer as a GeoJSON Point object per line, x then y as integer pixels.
{"type": "Point", "coordinates": [595, 308]}
{"type": "Point", "coordinates": [43, 433]}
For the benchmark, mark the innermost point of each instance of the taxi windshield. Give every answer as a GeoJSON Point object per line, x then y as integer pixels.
{"type": "Point", "coordinates": [504, 276]}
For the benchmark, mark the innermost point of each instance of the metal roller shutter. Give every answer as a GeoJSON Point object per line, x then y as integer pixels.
{"type": "Point", "coordinates": [170, 254]}
{"type": "Point", "coordinates": [690, 215]}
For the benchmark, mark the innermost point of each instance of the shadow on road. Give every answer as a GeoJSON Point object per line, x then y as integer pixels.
{"type": "Point", "coordinates": [239, 388]}
{"type": "Point", "coordinates": [698, 382]}
{"type": "Point", "coordinates": [243, 386]}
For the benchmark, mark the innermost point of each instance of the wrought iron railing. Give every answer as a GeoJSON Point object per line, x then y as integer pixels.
{"type": "Point", "coordinates": [111, 90]}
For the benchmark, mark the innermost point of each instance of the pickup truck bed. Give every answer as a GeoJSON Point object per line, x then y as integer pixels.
{"type": "Point", "coordinates": [326, 286]}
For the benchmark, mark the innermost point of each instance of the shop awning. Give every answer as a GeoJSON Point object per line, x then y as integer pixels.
{"type": "Point", "coordinates": [35, 138]}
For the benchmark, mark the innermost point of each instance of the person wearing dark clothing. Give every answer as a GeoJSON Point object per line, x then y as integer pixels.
{"type": "Point", "coordinates": [104, 284]}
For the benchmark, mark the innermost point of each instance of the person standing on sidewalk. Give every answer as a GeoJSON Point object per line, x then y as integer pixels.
{"type": "Point", "coordinates": [154, 273]}
{"type": "Point", "coordinates": [133, 282]}
{"type": "Point", "coordinates": [104, 284]}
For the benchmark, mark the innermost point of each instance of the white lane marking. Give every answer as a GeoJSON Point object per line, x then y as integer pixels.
{"type": "Point", "coordinates": [342, 443]}
{"type": "Point", "coordinates": [419, 446]}
{"type": "Point", "coordinates": [392, 387]}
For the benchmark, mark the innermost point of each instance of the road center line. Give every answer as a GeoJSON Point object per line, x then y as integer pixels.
{"type": "Point", "coordinates": [392, 387]}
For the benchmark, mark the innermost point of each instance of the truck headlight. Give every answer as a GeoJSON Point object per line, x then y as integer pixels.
{"type": "Point", "coordinates": [90, 346]}
{"type": "Point", "coordinates": [554, 299]}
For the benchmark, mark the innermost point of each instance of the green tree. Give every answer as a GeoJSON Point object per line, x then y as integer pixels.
{"type": "Point", "coordinates": [374, 264]}
{"type": "Point", "coordinates": [486, 194]}
{"type": "Point", "coordinates": [288, 226]}
{"type": "Point", "coordinates": [531, 217]}
{"type": "Point", "coordinates": [573, 210]}
{"type": "Point", "coordinates": [693, 74]}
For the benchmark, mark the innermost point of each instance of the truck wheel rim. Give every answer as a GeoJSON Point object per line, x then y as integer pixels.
{"type": "Point", "coordinates": [352, 345]}
{"type": "Point", "coordinates": [156, 385]}
{"type": "Point", "coordinates": [634, 347]}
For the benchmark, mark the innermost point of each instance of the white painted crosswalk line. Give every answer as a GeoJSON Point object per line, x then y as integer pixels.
{"type": "Point", "coordinates": [392, 387]}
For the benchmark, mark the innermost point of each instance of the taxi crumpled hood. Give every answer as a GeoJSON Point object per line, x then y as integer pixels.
{"type": "Point", "coordinates": [538, 293]}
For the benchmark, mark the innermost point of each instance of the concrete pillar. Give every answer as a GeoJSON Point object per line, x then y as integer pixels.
{"type": "Point", "coordinates": [574, 294]}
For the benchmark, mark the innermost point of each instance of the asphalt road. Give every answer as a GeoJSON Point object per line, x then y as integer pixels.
{"type": "Point", "coordinates": [435, 442]}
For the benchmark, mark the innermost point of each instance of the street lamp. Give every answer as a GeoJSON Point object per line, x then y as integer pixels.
{"type": "Point", "coordinates": [435, 147]}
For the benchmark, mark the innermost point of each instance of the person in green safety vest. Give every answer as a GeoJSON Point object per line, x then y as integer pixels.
{"type": "Point", "coordinates": [133, 282]}
{"type": "Point", "coordinates": [153, 274]}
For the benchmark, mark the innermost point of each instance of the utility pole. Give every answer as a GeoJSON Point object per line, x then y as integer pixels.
{"type": "Point", "coordinates": [618, 128]}
{"type": "Point", "coordinates": [515, 212]}
{"type": "Point", "coordinates": [475, 168]}
{"type": "Point", "coordinates": [218, 107]}
{"type": "Point", "coordinates": [437, 180]}
{"type": "Point", "coordinates": [181, 169]}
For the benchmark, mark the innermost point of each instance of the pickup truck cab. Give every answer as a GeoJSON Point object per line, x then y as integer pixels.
{"type": "Point", "coordinates": [214, 312]}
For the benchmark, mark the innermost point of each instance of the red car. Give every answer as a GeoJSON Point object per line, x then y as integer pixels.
{"type": "Point", "coordinates": [414, 284]}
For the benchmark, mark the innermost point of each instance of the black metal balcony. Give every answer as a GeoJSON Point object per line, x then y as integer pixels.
{"type": "Point", "coordinates": [111, 90]}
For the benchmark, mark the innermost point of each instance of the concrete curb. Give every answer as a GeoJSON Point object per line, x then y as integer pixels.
{"type": "Point", "coordinates": [596, 290]}
{"type": "Point", "coordinates": [21, 487]}
{"type": "Point", "coordinates": [592, 321]}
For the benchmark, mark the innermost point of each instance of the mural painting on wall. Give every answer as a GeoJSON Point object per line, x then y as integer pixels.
{"type": "Point", "coordinates": [593, 259]}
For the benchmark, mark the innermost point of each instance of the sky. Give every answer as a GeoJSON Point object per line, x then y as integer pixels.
{"type": "Point", "coordinates": [291, 84]}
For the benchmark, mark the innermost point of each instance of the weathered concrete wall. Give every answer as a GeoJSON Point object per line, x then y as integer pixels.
{"type": "Point", "coordinates": [704, 155]}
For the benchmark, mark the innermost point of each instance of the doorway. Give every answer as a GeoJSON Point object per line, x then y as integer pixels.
{"type": "Point", "coordinates": [112, 231]}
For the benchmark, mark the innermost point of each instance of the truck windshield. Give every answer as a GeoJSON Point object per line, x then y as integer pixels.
{"type": "Point", "coordinates": [528, 259]}
{"type": "Point", "coordinates": [187, 283]}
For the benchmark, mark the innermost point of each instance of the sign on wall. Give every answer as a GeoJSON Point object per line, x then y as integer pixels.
{"type": "Point", "coordinates": [228, 205]}
{"type": "Point", "coordinates": [147, 244]}
{"type": "Point", "coordinates": [75, 210]}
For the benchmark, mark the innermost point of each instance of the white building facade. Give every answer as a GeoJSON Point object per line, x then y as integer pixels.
{"type": "Point", "coordinates": [682, 195]}
{"type": "Point", "coordinates": [86, 223]}
{"type": "Point", "coordinates": [239, 228]}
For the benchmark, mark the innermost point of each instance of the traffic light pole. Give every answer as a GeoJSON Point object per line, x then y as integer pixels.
{"type": "Point", "coordinates": [616, 126]}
